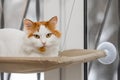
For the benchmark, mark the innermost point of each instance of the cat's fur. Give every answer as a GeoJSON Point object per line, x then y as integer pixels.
{"type": "Point", "coordinates": [38, 39]}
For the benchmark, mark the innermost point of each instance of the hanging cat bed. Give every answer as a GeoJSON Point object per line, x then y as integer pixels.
{"type": "Point", "coordinates": [41, 64]}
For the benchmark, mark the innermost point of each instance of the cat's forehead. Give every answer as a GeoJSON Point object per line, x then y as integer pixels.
{"type": "Point", "coordinates": [43, 29]}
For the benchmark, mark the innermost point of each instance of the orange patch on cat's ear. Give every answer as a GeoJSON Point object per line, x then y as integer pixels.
{"type": "Point", "coordinates": [30, 27]}
{"type": "Point", "coordinates": [51, 25]}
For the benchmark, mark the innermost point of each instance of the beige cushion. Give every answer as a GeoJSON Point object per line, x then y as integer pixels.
{"type": "Point", "coordinates": [41, 64]}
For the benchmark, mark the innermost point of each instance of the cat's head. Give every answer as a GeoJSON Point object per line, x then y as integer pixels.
{"type": "Point", "coordinates": [42, 34]}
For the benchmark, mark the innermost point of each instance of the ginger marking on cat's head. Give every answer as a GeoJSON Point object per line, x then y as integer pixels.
{"type": "Point", "coordinates": [32, 27]}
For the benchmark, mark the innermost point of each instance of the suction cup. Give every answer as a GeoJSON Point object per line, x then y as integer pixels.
{"type": "Point", "coordinates": [111, 52]}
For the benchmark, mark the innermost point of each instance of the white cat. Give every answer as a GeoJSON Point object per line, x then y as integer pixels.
{"type": "Point", "coordinates": [37, 40]}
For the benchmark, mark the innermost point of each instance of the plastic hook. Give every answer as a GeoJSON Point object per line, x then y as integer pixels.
{"type": "Point", "coordinates": [111, 52]}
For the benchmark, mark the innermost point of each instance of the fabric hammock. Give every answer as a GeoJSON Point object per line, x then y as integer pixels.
{"type": "Point", "coordinates": [41, 64]}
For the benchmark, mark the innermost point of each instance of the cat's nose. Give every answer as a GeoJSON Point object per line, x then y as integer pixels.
{"type": "Point", "coordinates": [44, 43]}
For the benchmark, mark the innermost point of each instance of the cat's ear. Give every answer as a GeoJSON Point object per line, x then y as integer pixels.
{"type": "Point", "coordinates": [53, 21]}
{"type": "Point", "coordinates": [28, 23]}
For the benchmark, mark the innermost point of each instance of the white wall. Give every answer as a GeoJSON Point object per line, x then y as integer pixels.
{"type": "Point", "coordinates": [74, 38]}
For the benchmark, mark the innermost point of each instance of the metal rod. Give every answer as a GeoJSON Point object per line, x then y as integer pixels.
{"type": "Point", "coordinates": [2, 26]}
{"type": "Point", "coordinates": [9, 76]}
{"type": "Point", "coordinates": [119, 37]}
{"type": "Point", "coordinates": [2, 14]}
{"type": "Point", "coordinates": [38, 18]}
{"type": "Point", "coordinates": [85, 38]}
{"type": "Point", "coordinates": [62, 20]}
{"type": "Point", "coordinates": [21, 27]}
{"type": "Point", "coordinates": [25, 13]}
{"type": "Point", "coordinates": [38, 76]}
{"type": "Point", "coordinates": [2, 75]}
{"type": "Point", "coordinates": [37, 10]}
{"type": "Point", "coordinates": [61, 6]}
{"type": "Point", "coordinates": [41, 10]}
{"type": "Point", "coordinates": [98, 36]}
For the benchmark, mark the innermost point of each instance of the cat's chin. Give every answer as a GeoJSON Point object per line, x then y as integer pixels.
{"type": "Point", "coordinates": [42, 49]}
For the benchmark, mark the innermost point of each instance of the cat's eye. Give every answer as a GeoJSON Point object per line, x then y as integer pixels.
{"type": "Point", "coordinates": [36, 36]}
{"type": "Point", "coordinates": [48, 35]}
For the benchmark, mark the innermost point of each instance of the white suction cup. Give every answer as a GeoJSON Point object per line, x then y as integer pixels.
{"type": "Point", "coordinates": [111, 52]}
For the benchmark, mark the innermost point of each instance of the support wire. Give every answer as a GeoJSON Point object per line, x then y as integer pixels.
{"type": "Point", "coordinates": [67, 27]}
{"type": "Point", "coordinates": [63, 45]}
{"type": "Point", "coordinates": [98, 36]}
{"type": "Point", "coordinates": [25, 13]}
